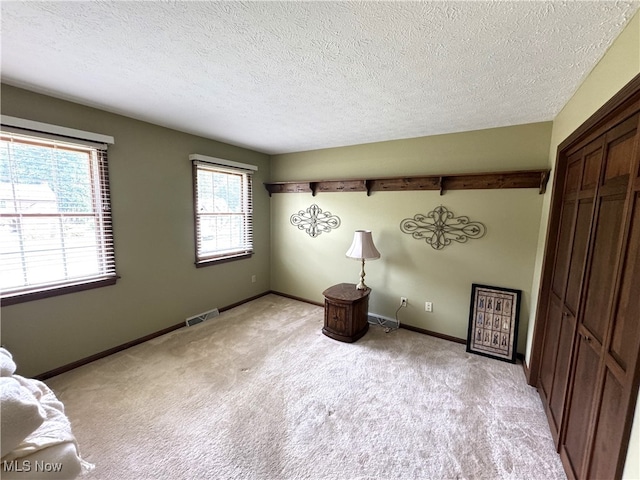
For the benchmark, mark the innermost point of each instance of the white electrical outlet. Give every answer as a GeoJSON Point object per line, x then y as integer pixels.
{"type": "Point", "coordinates": [253, 279]}
{"type": "Point", "coordinates": [403, 301]}
{"type": "Point", "coordinates": [428, 307]}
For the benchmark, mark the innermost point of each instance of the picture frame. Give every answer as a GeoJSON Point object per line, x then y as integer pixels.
{"type": "Point", "coordinates": [494, 315]}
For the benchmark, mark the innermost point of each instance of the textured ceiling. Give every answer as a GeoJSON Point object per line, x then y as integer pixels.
{"type": "Point", "coordinates": [292, 76]}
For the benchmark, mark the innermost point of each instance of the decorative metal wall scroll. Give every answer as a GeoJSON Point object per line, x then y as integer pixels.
{"type": "Point", "coordinates": [439, 228]}
{"type": "Point", "coordinates": [314, 221]}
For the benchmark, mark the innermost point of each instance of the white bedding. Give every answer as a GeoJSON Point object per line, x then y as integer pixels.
{"type": "Point", "coordinates": [37, 441]}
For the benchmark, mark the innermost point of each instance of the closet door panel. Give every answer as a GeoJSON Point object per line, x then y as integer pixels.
{"type": "Point", "coordinates": [620, 155]}
{"type": "Point", "coordinates": [550, 351]}
{"type": "Point", "coordinates": [602, 273]}
{"type": "Point", "coordinates": [574, 173]}
{"type": "Point", "coordinates": [626, 322]}
{"type": "Point", "coordinates": [578, 415]}
{"type": "Point", "coordinates": [564, 249]}
{"type": "Point", "coordinates": [608, 435]}
{"type": "Point", "coordinates": [559, 387]}
{"type": "Point", "coordinates": [578, 254]}
{"type": "Point", "coordinates": [592, 163]}
{"type": "Point", "coordinates": [591, 173]}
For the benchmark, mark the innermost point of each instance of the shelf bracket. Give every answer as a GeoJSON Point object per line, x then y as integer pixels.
{"type": "Point", "coordinates": [544, 178]}
{"type": "Point", "coordinates": [367, 185]}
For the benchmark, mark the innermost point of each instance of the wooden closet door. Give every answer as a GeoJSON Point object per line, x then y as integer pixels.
{"type": "Point", "coordinates": [621, 357]}
{"type": "Point", "coordinates": [551, 349]}
{"type": "Point", "coordinates": [581, 181]}
{"type": "Point", "coordinates": [618, 375]}
{"type": "Point", "coordinates": [593, 415]}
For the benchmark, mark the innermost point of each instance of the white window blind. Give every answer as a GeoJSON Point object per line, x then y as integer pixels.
{"type": "Point", "coordinates": [56, 231]}
{"type": "Point", "coordinates": [223, 206]}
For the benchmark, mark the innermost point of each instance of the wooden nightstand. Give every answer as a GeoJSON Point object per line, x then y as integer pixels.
{"type": "Point", "coordinates": [346, 312]}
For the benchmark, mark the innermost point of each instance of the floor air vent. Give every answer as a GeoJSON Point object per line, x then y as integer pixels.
{"type": "Point", "coordinates": [201, 317]}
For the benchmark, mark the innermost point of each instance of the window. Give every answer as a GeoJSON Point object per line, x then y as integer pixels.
{"type": "Point", "coordinates": [55, 216]}
{"type": "Point", "coordinates": [223, 209]}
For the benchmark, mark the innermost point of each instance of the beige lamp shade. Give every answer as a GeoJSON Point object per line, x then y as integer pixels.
{"type": "Point", "coordinates": [363, 249]}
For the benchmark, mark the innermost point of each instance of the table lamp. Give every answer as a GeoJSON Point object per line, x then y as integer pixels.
{"type": "Point", "coordinates": [363, 249]}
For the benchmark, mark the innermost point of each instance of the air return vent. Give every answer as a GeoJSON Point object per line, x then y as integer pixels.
{"type": "Point", "coordinates": [375, 319]}
{"type": "Point", "coordinates": [201, 317]}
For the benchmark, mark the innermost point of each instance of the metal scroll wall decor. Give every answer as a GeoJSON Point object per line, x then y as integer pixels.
{"type": "Point", "coordinates": [314, 221]}
{"type": "Point", "coordinates": [439, 228]}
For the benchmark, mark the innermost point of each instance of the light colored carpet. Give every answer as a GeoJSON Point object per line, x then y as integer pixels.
{"type": "Point", "coordinates": [260, 393]}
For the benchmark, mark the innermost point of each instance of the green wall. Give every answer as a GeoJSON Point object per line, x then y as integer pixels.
{"type": "Point", "coordinates": [304, 266]}
{"type": "Point", "coordinates": [151, 189]}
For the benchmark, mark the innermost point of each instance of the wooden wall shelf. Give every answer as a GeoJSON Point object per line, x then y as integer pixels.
{"type": "Point", "coordinates": [459, 181]}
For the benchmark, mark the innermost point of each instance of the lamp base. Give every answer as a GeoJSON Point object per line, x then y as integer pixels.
{"type": "Point", "coordinates": [361, 285]}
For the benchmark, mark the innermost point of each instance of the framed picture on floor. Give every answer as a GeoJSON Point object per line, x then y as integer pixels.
{"type": "Point", "coordinates": [493, 322]}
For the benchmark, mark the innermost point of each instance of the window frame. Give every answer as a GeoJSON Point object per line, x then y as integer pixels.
{"type": "Point", "coordinates": [41, 133]}
{"type": "Point", "coordinates": [212, 164]}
